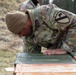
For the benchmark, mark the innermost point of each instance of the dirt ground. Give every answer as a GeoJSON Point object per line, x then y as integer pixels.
{"type": "Point", "coordinates": [10, 44]}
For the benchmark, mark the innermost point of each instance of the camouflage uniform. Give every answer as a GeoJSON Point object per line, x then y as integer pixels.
{"type": "Point", "coordinates": [57, 29]}
{"type": "Point", "coordinates": [27, 5]}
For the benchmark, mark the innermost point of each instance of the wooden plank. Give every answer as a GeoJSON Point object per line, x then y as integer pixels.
{"type": "Point", "coordinates": [10, 69]}
{"type": "Point", "coordinates": [45, 68]}
{"type": "Point", "coordinates": [52, 73]}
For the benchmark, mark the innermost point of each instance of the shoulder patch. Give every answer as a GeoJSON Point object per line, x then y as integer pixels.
{"type": "Point", "coordinates": [62, 18]}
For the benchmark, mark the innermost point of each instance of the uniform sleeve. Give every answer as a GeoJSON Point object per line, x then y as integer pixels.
{"type": "Point", "coordinates": [31, 47]}
{"type": "Point", "coordinates": [70, 43]}
{"type": "Point", "coordinates": [60, 19]}
{"type": "Point", "coordinates": [23, 6]}
{"type": "Point", "coordinates": [67, 20]}
{"type": "Point", "coordinates": [26, 5]}
{"type": "Point", "coordinates": [40, 11]}
{"type": "Point", "coordinates": [53, 16]}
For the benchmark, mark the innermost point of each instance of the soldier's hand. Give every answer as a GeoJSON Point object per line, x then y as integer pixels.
{"type": "Point", "coordinates": [54, 51]}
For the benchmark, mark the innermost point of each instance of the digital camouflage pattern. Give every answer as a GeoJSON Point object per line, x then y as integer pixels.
{"type": "Point", "coordinates": [27, 5]}
{"type": "Point", "coordinates": [56, 29]}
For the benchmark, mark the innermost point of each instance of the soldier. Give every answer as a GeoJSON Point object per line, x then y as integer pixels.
{"type": "Point", "coordinates": [56, 31]}
{"type": "Point", "coordinates": [29, 4]}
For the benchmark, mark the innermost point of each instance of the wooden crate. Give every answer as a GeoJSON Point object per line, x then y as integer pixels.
{"type": "Point", "coordinates": [39, 64]}
{"type": "Point", "coordinates": [45, 69]}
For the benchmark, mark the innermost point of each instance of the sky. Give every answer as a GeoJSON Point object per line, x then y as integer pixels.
{"type": "Point", "coordinates": [50, 1]}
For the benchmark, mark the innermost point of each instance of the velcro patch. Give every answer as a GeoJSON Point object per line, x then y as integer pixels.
{"type": "Point", "coordinates": [62, 18]}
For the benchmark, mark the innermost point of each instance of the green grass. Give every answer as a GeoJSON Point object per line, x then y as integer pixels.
{"type": "Point", "coordinates": [7, 59]}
